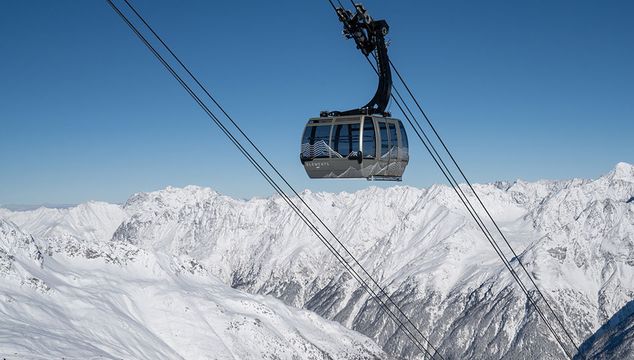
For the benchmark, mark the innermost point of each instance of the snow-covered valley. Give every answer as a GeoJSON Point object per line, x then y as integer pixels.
{"type": "Point", "coordinates": [190, 273]}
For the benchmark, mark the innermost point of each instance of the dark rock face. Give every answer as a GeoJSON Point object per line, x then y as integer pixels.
{"type": "Point", "coordinates": [613, 340]}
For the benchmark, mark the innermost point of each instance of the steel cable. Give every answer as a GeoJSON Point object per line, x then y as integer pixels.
{"type": "Point", "coordinates": [278, 189]}
{"type": "Point", "coordinates": [442, 142]}
{"type": "Point", "coordinates": [465, 200]}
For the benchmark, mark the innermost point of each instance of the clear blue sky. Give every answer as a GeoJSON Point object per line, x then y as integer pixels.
{"type": "Point", "coordinates": [539, 89]}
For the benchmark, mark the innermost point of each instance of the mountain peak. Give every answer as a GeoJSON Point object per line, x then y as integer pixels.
{"type": "Point", "coordinates": [172, 195]}
{"type": "Point", "coordinates": [623, 171]}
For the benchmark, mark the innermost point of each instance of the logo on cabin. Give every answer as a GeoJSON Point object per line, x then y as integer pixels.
{"type": "Point", "coordinates": [317, 164]}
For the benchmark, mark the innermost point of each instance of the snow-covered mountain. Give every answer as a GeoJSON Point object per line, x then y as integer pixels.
{"type": "Point", "coordinates": [81, 299]}
{"type": "Point", "coordinates": [576, 237]}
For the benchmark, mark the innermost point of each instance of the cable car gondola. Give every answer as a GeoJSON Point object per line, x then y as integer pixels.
{"type": "Point", "coordinates": [365, 142]}
{"type": "Point", "coordinates": [371, 147]}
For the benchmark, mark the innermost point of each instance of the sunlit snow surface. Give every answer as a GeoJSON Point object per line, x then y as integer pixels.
{"type": "Point", "coordinates": [153, 278]}
{"type": "Point", "coordinates": [117, 301]}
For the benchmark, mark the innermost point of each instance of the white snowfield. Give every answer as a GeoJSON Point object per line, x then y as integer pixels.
{"type": "Point", "coordinates": [189, 273]}
{"type": "Point", "coordinates": [90, 299]}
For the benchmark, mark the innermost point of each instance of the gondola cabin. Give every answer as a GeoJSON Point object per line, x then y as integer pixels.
{"type": "Point", "coordinates": [358, 146]}
{"type": "Point", "coordinates": [361, 143]}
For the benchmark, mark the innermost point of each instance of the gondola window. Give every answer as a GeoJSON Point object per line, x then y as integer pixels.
{"type": "Point", "coordinates": [369, 139]}
{"type": "Point", "coordinates": [385, 140]}
{"type": "Point", "coordinates": [345, 139]}
{"type": "Point", "coordinates": [315, 142]}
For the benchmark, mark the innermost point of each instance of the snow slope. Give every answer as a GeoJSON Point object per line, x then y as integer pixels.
{"type": "Point", "coordinates": [116, 301]}
{"type": "Point", "coordinates": [576, 237]}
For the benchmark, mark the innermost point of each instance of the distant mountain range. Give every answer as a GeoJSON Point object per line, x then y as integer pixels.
{"type": "Point", "coordinates": [27, 207]}
{"type": "Point", "coordinates": [180, 273]}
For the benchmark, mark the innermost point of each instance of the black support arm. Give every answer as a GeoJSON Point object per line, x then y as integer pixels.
{"type": "Point", "coordinates": [369, 36]}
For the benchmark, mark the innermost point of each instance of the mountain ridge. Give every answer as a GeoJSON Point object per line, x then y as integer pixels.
{"type": "Point", "coordinates": [575, 236]}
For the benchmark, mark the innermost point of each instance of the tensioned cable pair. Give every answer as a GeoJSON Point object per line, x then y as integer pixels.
{"type": "Point", "coordinates": [429, 146]}
{"type": "Point", "coordinates": [481, 225]}
{"type": "Point", "coordinates": [380, 295]}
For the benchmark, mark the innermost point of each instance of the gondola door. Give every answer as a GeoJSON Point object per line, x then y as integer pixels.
{"type": "Point", "coordinates": [384, 152]}
{"type": "Point", "coordinates": [394, 146]}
